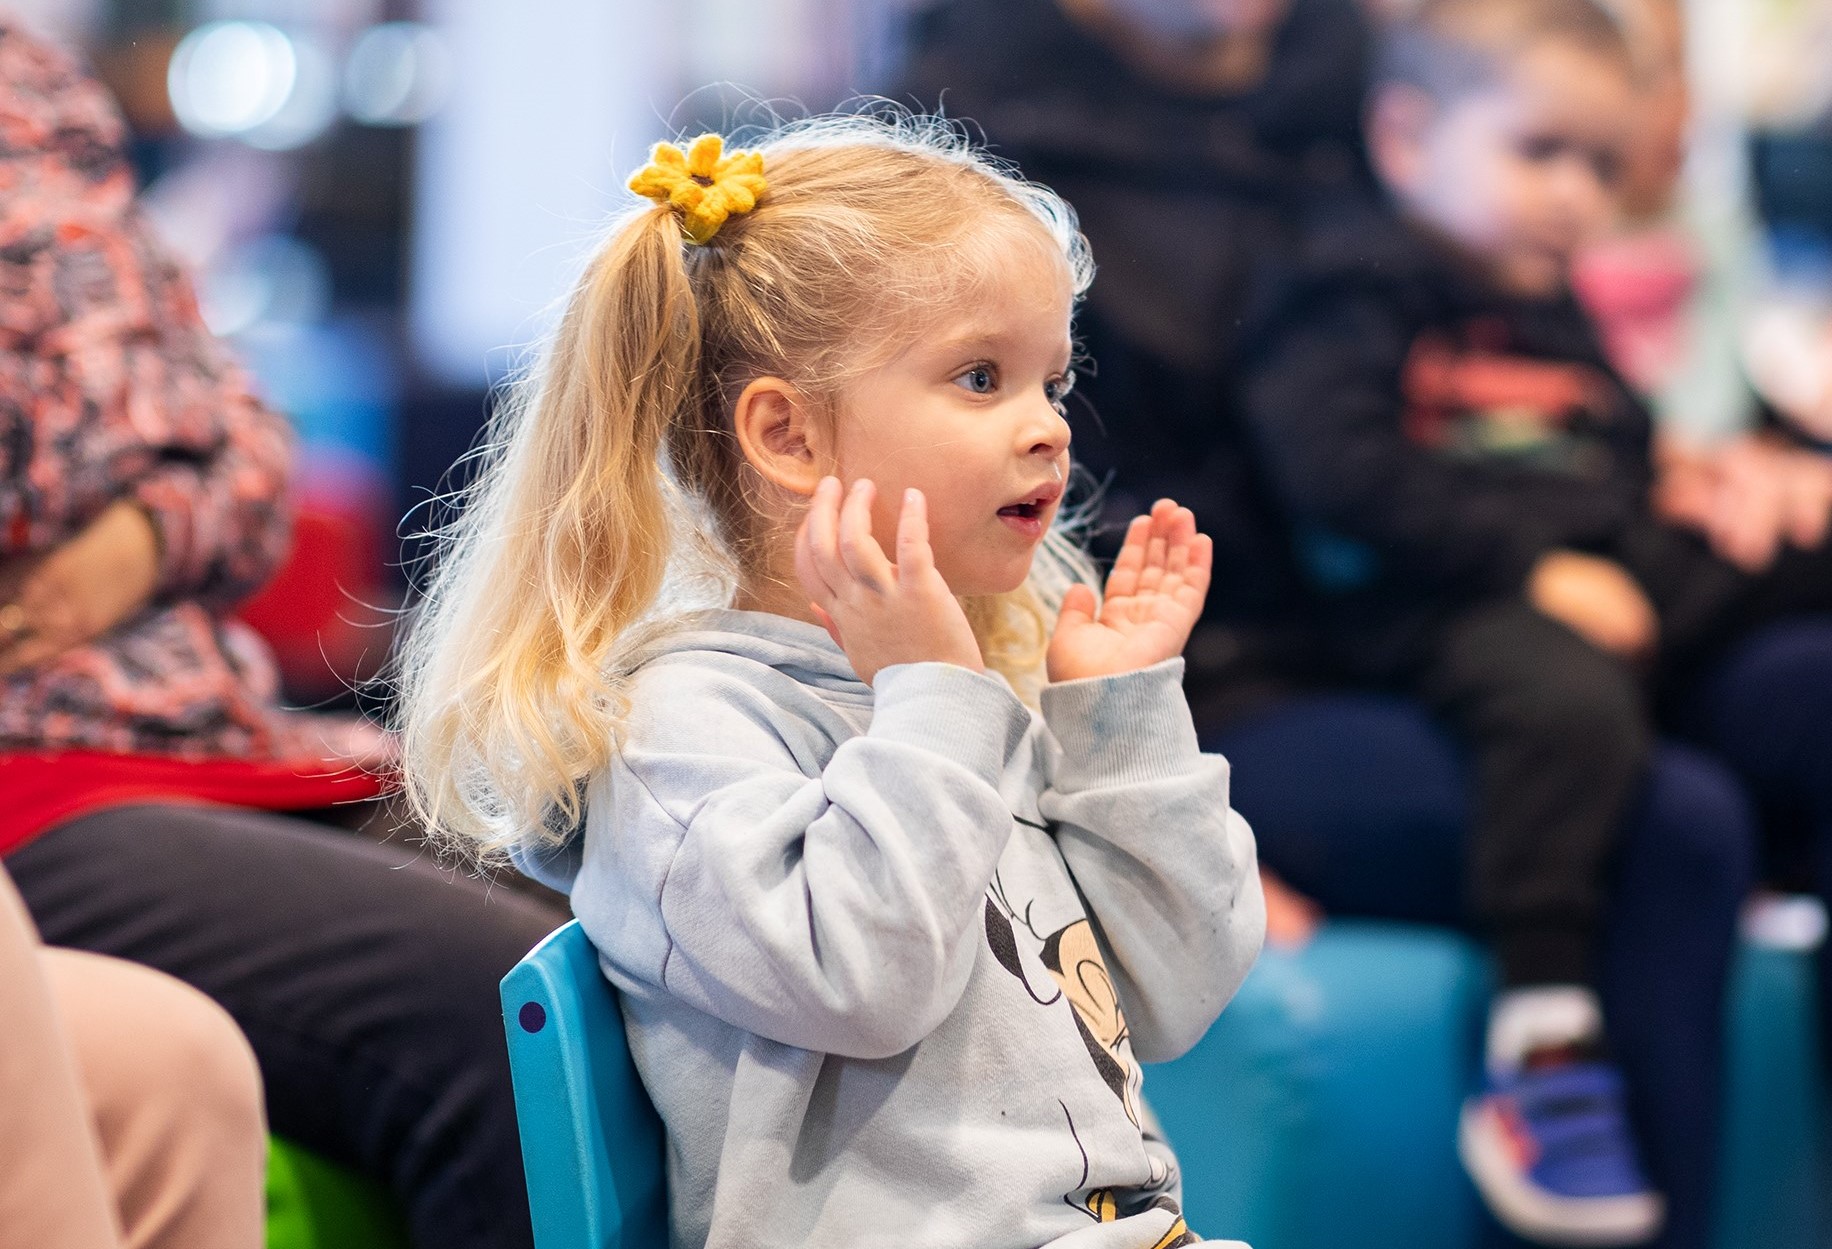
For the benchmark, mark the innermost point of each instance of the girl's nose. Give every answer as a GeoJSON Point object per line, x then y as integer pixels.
{"type": "Point", "coordinates": [1048, 433]}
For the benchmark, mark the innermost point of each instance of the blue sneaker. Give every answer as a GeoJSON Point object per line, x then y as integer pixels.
{"type": "Point", "coordinates": [1548, 1147]}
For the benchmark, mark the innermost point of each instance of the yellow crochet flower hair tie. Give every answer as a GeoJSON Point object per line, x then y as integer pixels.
{"type": "Point", "coordinates": [702, 184]}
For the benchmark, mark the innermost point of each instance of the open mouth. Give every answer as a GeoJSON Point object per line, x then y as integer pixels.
{"type": "Point", "coordinates": [1029, 513]}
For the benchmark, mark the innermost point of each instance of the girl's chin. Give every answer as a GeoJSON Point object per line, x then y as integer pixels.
{"type": "Point", "coordinates": [986, 583]}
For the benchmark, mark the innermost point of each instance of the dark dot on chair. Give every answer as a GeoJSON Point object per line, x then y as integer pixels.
{"type": "Point", "coordinates": [532, 1017]}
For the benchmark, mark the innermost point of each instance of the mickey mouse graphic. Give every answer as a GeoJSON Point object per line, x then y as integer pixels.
{"type": "Point", "coordinates": [1071, 958]}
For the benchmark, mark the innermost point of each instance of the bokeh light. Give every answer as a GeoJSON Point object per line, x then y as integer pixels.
{"type": "Point", "coordinates": [398, 74]}
{"type": "Point", "coordinates": [226, 78]}
{"type": "Point", "coordinates": [254, 82]}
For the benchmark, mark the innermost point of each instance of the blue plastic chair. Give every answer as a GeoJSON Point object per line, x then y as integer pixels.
{"type": "Point", "coordinates": [591, 1141]}
{"type": "Point", "coordinates": [1321, 1109]}
{"type": "Point", "coordinates": [1338, 1070]}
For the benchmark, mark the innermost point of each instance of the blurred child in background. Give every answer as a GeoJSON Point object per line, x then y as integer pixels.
{"type": "Point", "coordinates": [1672, 290]}
{"type": "Point", "coordinates": [1469, 482]}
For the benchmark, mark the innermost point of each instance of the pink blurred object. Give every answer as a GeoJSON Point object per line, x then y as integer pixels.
{"type": "Point", "coordinates": [1638, 288]}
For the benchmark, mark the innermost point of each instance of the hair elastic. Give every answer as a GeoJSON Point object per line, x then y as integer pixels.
{"type": "Point", "coordinates": [702, 185]}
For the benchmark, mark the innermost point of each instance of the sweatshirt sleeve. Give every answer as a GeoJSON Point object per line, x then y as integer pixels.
{"type": "Point", "coordinates": [1323, 399]}
{"type": "Point", "coordinates": [1167, 869]}
{"type": "Point", "coordinates": [836, 911]}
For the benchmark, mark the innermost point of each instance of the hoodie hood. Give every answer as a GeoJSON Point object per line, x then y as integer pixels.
{"type": "Point", "coordinates": [797, 649]}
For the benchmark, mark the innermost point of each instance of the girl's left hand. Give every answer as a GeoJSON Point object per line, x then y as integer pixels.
{"type": "Point", "coordinates": [1154, 596]}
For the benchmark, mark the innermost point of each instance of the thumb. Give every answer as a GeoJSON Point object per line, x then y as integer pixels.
{"type": "Point", "coordinates": [1078, 608]}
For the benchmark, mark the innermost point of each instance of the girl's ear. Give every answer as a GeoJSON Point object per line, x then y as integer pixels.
{"type": "Point", "coordinates": [776, 429]}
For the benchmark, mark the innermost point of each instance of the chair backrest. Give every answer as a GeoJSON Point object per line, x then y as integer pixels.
{"type": "Point", "coordinates": [591, 1141]}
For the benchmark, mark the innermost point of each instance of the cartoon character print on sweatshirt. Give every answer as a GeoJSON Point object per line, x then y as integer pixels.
{"type": "Point", "coordinates": [1103, 1205]}
{"type": "Point", "coordinates": [1056, 957]}
{"type": "Point", "coordinates": [1070, 960]}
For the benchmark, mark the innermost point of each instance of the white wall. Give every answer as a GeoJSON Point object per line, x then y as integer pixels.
{"type": "Point", "coordinates": [554, 103]}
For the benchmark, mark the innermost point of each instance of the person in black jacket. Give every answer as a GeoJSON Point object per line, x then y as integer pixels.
{"type": "Point", "coordinates": [1467, 485]}
{"type": "Point", "coordinates": [1185, 135]}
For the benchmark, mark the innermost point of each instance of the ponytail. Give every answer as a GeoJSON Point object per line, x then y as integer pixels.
{"type": "Point", "coordinates": [561, 547]}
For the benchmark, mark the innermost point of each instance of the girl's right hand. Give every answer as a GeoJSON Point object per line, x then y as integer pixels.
{"type": "Point", "coordinates": [881, 614]}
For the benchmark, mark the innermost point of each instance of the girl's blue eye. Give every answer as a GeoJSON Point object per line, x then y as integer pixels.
{"type": "Point", "coordinates": [1057, 390]}
{"type": "Point", "coordinates": [977, 379]}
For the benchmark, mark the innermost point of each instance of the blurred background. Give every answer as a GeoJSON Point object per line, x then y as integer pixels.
{"type": "Point", "coordinates": [381, 199]}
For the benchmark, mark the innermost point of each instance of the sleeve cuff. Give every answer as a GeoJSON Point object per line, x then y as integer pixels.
{"type": "Point", "coordinates": [968, 717]}
{"type": "Point", "coordinates": [1130, 727]}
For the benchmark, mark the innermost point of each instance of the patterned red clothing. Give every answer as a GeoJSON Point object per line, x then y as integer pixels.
{"type": "Point", "coordinates": [111, 387]}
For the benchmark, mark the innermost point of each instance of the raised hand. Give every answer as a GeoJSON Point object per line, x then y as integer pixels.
{"type": "Point", "coordinates": [880, 613]}
{"type": "Point", "coordinates": [1154, 596]}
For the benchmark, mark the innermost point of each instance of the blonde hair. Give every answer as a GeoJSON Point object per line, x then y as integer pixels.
{"type": "Point", "coordinates": [612, 485]}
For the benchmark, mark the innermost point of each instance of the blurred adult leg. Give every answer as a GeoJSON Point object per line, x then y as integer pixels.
{"type": "Point", "coordinates": [1766, 708]}
{"type": "Point", "coordinates": [133, 1107]}
{"type": "Point", "coordinates": [1362, 801]}
{"type": "Point", "coordinates": [175, 1100]}
{"type": "Point", "coordinates": [364, 976]}
{"type": "Point", "coordinates": [53, 1194]}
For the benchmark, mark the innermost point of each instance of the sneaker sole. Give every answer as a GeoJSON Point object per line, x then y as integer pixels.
{"type": "Point", "coordinates": [1580, 1221]}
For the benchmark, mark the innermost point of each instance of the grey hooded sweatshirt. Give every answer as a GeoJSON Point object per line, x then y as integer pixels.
{"type": "Point", "coordinates": [890, 956]}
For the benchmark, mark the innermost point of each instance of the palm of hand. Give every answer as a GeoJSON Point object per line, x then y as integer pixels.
{"type": "Point", "coordinates": [1154, 597]}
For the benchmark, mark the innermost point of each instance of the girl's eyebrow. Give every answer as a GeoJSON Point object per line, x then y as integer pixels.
{"type": "Point", "coordinates": [972, 340]}
{"type": "Point", "coordinates": [981, 340]}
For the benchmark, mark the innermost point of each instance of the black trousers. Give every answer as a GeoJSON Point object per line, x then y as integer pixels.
{"type": "Point", "coordinates": [1560, 733]}
{"type": "Point", "coordinates": [364, 975]}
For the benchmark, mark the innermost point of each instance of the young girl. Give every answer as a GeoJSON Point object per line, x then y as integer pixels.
{"type": "Point", "coordinates": [891, 943]}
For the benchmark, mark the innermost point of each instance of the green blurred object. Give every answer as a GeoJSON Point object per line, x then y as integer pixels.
{"type": "Point", "coordinates": [314, 1204]}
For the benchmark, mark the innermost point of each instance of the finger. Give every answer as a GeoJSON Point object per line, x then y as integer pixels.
{"type": "Point", "coordinates": [1182, 526]}
{"type": "Point", "coordinates": [818, 561]}
{"type": "Point", "coordinates": [865, 560]}
{"type": "Point", "coordinates": [1123, 580]}
{"type": "Point", "coordinates": [915, 558]}
{"type": "Point", "coordinates": [1183, 541]}
{"type": "Point", "coordinates": [1151, 575]}
{"type": "Point", "coordinates": [1810, 512]}
{"type": "Point", "coordinates": [1754, 546]}
{"type": "Point", "coordinates": [1199, 567]}
{"type": "Point", "coordinates": [1164, 514]}
{"type": "Point", "coordinates": [1176, 559]}
{"type": "Point", "coordinates": [1730, 535]}
{"type": "Point", "coordinates": [1078, 607]}
{"type": "Point", "coordinates": [1186, 580]}
{"type": "Point", "coordinates": [806, 571]}
{"type": "Point", "coordinates": [824, 538]}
